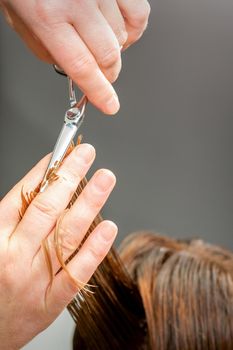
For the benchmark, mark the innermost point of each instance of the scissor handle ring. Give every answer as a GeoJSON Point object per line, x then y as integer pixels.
{"type": "Point", "coordinates": [59, 70]}
{"type": "Point", "coordinates": [81, 104]}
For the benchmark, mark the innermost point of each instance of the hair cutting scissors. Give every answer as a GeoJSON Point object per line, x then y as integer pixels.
{"type": "Point", "coordinates": [73, 119]}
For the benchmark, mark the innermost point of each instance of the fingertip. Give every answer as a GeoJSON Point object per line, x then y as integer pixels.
{"type": "Point", "coordinates": [108, 230]}
{"type": "Point", "coordinates": [104, 96]}
{"type": "Point", "coordinates": [112, 106]}
{"type": "Point", "coordinates": [112, 225]}
{"type": "Point", "coordinates": [86, 148]}
{"type": "Point", "coordinates": [86, 152]}
{"type": "Point", "coordinates": [105, 174]}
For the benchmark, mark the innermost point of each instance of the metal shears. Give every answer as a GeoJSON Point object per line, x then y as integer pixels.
{"type": "Point", "coordinates": [74, 117]}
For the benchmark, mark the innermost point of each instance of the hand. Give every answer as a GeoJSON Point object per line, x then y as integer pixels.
{"type": "Point", "coordinates": [84, 37]}
{"type": "Point", "coordinates": [27, 305]}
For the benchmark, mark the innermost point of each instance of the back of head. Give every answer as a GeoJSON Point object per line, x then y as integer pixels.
{"type": "Point", "coordinates": [159, 294]}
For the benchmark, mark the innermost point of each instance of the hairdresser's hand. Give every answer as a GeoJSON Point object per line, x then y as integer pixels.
{"type": "Point", "coordinates": [27, 305]}
{"type": "Point", "coordinates": [84, 37]}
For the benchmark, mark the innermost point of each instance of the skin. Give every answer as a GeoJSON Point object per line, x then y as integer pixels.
{"type": "Point", "coordinates": [26, 308]}
{"type": "Point", "coordinates": [84, 37]}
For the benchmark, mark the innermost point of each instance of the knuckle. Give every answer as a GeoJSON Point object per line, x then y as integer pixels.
{"type": "Point", "coordinates": [136, 35]}
{"type": "Point", "coordinates": [138, 21]}
{"type": "Point", "coordinates": [68, 239]}
{"type": "Point", "coordinates": [93, 200]}
{"type": "Point", "coordinates": [98, 247]}
{"type": "Point", "coordinates": [70, 181]}
{"type": "Point", "coordinates": [97, 252]}
{"type": "Point", "coordinates": [112, 75]}
{"type": "Point", "coordinates": [110, 57]}
{"type": "Point", "coordinates": [140, 17]}
{"type": "Point", "coordinates": [46, 208]}
{"type": "Point", "coordinates": [122, 36]}
{"type": "Point", "coordinates": [82, 65]}
{"type": "Point", "coordinates": [42, 11]}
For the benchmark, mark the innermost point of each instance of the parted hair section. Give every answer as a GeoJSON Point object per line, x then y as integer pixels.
{"type": "Point", "coordinates": [158, 293]}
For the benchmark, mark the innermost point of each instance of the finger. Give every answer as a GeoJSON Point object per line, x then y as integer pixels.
{"type": "Point", "coordinates": [11, 204]}
{"type": "Point", "coordinates": [82, 266]}
{"type": "Point", "coordinates": [35, 45]}
{"type": "Point", "coordinates": [113, 15]}
{"type": "Point", "coordinates": [136, 14]}
{"type": "Point", "coordinates": [79, 218]}
{"type": "Point", "coordinates": [30, 39]}
{"type": "Point", "coordinates": [42, 214]}
{"type": "Point", "coordinates": [71, 53]}
{"type": "Point", "coordinates": [102, 42]}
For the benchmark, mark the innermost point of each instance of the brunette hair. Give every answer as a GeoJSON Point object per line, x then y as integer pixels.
{"type": "Point", "coordinates": [158, 293]}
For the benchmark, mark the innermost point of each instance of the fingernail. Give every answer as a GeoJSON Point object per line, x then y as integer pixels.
{"type": "Point", "coordinates": [86, 152]}
{"type": "Point", "coordinates": [104, 179]}
{"type": "Point", "coordinates": [113, 105]}
{"type": "Point", "coordinates": [109, 231]}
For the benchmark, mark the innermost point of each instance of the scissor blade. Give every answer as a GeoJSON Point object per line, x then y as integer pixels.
{"type": "Point", "coordinates": [65, 137]}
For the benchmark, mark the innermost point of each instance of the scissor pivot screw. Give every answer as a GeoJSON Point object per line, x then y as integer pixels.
{"type": "Point", "coordinates": [72, 113]}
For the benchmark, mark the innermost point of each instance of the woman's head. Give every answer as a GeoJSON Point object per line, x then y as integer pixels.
{"type": "Point", "coordinates": [161, 294]}
{"type": "Point", "coordinates": [186, 290]}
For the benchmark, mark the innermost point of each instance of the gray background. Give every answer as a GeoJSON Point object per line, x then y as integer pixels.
{"type": "Point", "coordinates": [170, 145]}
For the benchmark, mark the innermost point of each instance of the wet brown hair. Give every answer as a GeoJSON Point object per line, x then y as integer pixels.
{"type": "Point", "coordinates": [158, 293]}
